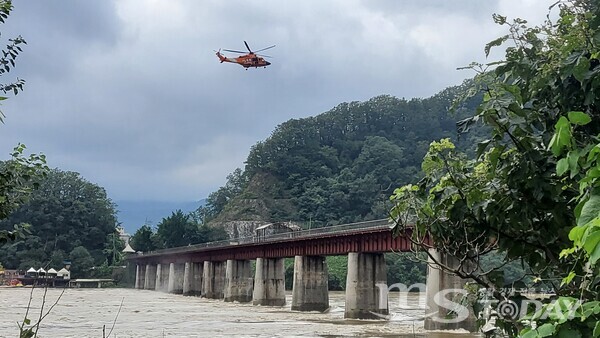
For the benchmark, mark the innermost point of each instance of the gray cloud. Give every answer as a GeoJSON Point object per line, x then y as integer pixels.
{"type": "Point", "coordinates": [131, 95]}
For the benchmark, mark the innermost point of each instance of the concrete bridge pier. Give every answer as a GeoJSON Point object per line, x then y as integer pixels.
{"type": "Point", "coordinates": [138, 277]}
{"type": "Point", "coordinates": [142, 276]}
{"type": "Point", "coordinates": [442, 292]}
{"type": "Point", "coordinates": [213, 280]}
{"type": "Point", "coordinates": [311, 282]}
{"type": "Point", "coordinates": [366, 286]}
{"type": "Point", "coordinates": [192, 279]}
{"type": "Point", "coordinates": [269, 282]}
{"type": "Point", "coordinates": [150, 277]}
{"type": "Point", "coordinates": [162, 277]}
{"type": "Point", "coordinates": [238, 281]}
{"type": "Point", "coordinates": [157, 281]}
{"type": "Point", "coordinates": [175, 278]}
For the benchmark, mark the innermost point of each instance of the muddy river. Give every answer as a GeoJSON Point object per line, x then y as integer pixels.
{"type": "Point", "coordinates": [84, 313]}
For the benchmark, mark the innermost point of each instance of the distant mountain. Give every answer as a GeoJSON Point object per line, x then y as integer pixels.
{"type": "Point", "coordinates": [133, 214]}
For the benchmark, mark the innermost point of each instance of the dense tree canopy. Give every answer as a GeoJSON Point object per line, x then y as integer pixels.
{"type": "Point", "coordinates": [179, 229]}
{"type": "Point", "coordinates": [65, 212]}
{"type": "Point", "coordinates": [144, 239]}
{"type": "Point", "coordinates": [176, 230]}
{"type": "Point", "coordinates": [81, 261]}
{"type": "Point", "coordinates": [340, 166]}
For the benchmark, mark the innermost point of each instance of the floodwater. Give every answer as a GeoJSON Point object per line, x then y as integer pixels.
{"type": "Point", "coordinates": [143, 313]}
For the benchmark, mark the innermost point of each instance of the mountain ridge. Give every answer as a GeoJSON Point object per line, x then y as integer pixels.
{"type": "Point", "coordinates": [342, 165]}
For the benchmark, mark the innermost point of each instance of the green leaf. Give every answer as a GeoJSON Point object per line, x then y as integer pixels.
{"type": "Point", "coordinates": [27, 333]}
{"type": "Point", "coordinates": [482, 146]}
{"type": "Point", "coordinates": [568, 279]}
{"type": "Point", "coordinates": [592, 173]}
{"type": "Point", "coordinates": [590, 210]}
{"type": "Point", "coordinates": [591, 241]}
{"type": "Point", "coordinates": [573, 158]}
{"type": "Point", "coordinates": [561, 137]}
{"type": "Point", "coordinates": [576, 234]}
{"type": "Point", "coordinates": [568, 333]}
{"type": "Point", "coordinates": [592, 154]}
{"type": "Point", "coordinates": [579, 118]}
{"type": "Point", "coordinates": [581, 68]}
{"type": "Point", "coordinates": [579, 206]}
{"type": "Point", "coordinates": [596, 333]}
{"type": "Point", "coordinates": [595, 255]}
{"type": "Point", "coordinates": [546, 330]}
{"type": "Point", "coordinates": [562, 166]}
{"type": "Point", "coordinates": [499, 19]}
{"type": "Point", "coordinates": [566, 252]}
{"type": "Point", "coordinates": [589, 308]}
{"type": "Point", "coordinates": [528, 334]}
{"type": "Point", "coordinates": [494, 43]}
{"type": "Point", "coordinates": [27, 321]}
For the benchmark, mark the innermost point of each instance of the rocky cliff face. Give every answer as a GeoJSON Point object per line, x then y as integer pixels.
{"type": "Point", "coordinates": [241, 229]}
{"type": "Point", "coordinates": [237, 229]}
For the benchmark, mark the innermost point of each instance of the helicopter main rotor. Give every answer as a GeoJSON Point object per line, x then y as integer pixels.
{"type": "Point", "coordinates": [249, 50]}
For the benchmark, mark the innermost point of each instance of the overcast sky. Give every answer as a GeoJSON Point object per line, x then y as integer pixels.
{"type": "Point", "coordinates": [130, 94]}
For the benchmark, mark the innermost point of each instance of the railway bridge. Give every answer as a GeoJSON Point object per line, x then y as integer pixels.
{"type": "Point", "coordinates": [223, 270]}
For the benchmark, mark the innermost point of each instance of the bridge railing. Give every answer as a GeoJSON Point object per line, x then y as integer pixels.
{"type": "Point", "coordinates": [307, 233]}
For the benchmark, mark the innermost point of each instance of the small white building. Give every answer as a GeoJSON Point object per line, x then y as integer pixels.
{"type": "Point", "coordinates": [63, 273]}
{"type": "Point", "coordinates": [32, 272]}
{"type": "Point", "coordinates": [128, 249]}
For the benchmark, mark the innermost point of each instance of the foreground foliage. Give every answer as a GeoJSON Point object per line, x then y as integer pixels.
{"type": "Point", "coordinates": [9, 56]}
{"type": "Point", "coordinates": [533, 192]}
{"type": "Point", "coordinates": [19, 175]}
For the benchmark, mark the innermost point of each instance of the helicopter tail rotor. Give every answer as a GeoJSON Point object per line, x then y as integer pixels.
{"type": "Point", "coordinates": [221, 57]}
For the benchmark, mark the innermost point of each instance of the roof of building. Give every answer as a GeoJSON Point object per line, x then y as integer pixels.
{"type": "Point", "coordinates": [128, 249]}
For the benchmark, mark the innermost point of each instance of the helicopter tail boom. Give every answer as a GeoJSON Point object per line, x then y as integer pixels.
{"type": "Point", "coordinates": [223, 58]}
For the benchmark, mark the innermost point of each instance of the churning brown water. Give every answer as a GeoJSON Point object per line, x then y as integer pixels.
{"type": "Point", "coordinates": [83, 313]}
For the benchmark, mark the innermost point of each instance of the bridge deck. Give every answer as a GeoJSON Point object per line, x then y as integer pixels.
{"type": "Point", "coordinates": [371, 236]}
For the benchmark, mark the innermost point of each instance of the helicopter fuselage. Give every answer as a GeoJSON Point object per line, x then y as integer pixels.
{"type": "Point", "coordinates": [246, 61]}
{"type": "Point", "coordinates": [251, 59]}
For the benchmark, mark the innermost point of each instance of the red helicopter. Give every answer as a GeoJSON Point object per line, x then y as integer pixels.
{"type": "Point", "coordinates": [247, 60]}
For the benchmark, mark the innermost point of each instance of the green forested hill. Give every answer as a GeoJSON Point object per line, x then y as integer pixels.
{"type": "Point", "coordinates": [340, 166]}
{"type": "Point", "coordinates": [71, 219]}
